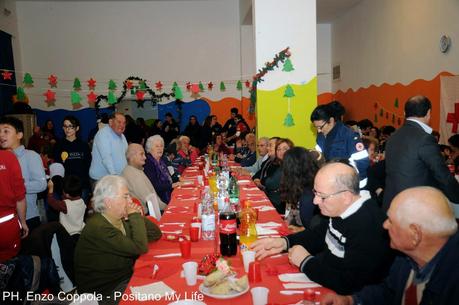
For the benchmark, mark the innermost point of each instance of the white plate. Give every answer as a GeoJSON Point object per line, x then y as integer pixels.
{"type": "Point", "coordinates": [233, 294]}
{"type": "Point", "coordinates": [187, 302]}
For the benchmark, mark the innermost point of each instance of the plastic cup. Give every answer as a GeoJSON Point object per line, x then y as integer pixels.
{"type": "Point", "coordinates": [185, 248]}
{"type": "Point", "coordinates": [259, 295]}
{"type": "Point", "coordinates": [254, 273]}
{"type": "Point", "coordinates": [190, 269]}
{"type": "Point", "coordinates": [195, 231]}
{"type": "Point", "coordinates": [200, 180]}
{"type": "Point", "coordinates": [247, 258]}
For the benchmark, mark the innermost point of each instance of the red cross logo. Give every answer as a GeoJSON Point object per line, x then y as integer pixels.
{"type": "Point", "coordinates": [453, 118]}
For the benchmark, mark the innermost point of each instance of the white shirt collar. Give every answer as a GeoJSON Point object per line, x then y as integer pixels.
{"type": "Point", "coordinates": [355, 206]}
{"type": "Point", "coordinates": [424, 126]}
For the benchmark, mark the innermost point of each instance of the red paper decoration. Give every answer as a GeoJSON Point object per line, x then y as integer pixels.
{"type": "Point", "coordinates": [91, 83]}
{"type": "Point", "coordinates": [91, 97]}
{"type": "Point", "coordinates": [159, 86]}
{"type": "Point", "coordinates": [188, 86]}
{"type": "Point", "coordinates": [140, 95]}
{"type": "Point", "coordinates": [210, 86]}
{"type": "Point", "coordinates": [52, 81]}
{"type": "Point", "coordinates": [247, 84]}
{"type": "Point", "coordinates": [7, 75]}
{"type": "Point", "coordinates": [195, 88]}
{"type": "Point", "coordinates": [129, 84]}
{"type": "Point", "coordinates": [50, 97]}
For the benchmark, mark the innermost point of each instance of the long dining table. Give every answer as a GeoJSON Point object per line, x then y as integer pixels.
{"type": "Point", "coordinates": [165, 253]}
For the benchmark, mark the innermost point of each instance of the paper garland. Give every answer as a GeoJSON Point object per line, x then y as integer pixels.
{"type": "Point", "coordinates": [28, 81]}
{"type": "Point", "coordinates": [76, 84]}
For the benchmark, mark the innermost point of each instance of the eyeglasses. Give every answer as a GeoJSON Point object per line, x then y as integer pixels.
{"type": "Point", "coordinates": [321, 127]}
{"type": "Point", "coordinates": [68, 126]}
{"type": "Point", "coordinates": [324, 197]}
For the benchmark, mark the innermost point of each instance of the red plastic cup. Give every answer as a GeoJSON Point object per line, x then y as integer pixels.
{"type": "Point", "coordinates": [195, 230]}
{"type": "Point", "coordinates": [254, 274]}
{"type": "Point", "coordinates": [185, 248]}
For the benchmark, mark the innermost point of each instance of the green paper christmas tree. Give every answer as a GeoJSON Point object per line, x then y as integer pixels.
{"type": "Point", "coordinates": [174, 85]}
{"type": "Point", "coordinates": [393, 118]}
{"type": "Point", "coordinates": [177, 92]}
{"type": "Point", "coordinates": [201, 87]}
{"type": "Point", "coordinates": [222, 86]}
{"type": "Point", "coordinates": [142, 86]}
{"type": "Point", "coordinates": [289, 91]}
{"type": "Point", "coordinates": [21, 96]}
{"type": "Point", "coordinates": [381, 112]}
{"type": "Point", "coordinates": [111, 98]}
{"type": "Point", "coordinates": [111, 85]}
{"type": "Point", "coordinates": [396, 102]}
{"type": "Point", "coordinates": [288, 121]}
{"type": "Point", "coordinates": [239, 85]}
{"type": "Point", "coordinates": [376, 118]}
{"type": "Point", "coordinates": [76, 84]}
{"type": "Point", "coordinates": [75, 98]}
{"type": "Point", "coordinates": [133, 91]}
{"type": "Point", "coordinates": [28, 81]}
{"type": "Point", "coordinates": [288, 67]}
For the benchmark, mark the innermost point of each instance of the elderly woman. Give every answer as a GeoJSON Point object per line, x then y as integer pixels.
{"type": "Point", "coordinates": [187, 151]}
{"type": "Point", "coordinates": [156, 168]}
{"type": "Point", "coordinates": [111, 240]}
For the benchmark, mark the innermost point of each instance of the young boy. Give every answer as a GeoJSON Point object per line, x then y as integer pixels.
{"type": "Point", "coordinates": [72, 208]}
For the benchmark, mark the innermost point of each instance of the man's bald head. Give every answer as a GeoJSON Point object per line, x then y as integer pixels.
{"type": "Point", "coordinates": [342, 176]}
{"type": "Point", "coordinates": [426, 207]}
{"type": "Point", "coordinates": [135, 155]}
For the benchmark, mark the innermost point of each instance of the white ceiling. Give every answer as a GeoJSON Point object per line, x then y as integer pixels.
{"type": "Point", "coordinates": [328, 10]}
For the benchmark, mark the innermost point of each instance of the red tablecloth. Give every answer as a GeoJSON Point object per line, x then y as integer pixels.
{"type": "Point", "coordinates": [180, 210]}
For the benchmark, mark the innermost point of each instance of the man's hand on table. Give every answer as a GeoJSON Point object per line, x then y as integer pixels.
{"type": "Point", "coordinates": [268, 246]}
{"type": "Point", "coordinates": [297, 254]}
{"type": "Point", "coordinates": [334, 299]}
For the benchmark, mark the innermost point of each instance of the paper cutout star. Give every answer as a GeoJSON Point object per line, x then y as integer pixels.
{"type": "Point", "coordinates": [247, 84]}
{"type": "Point", "coordinates": [91, 83]}
{"type": "Point", "coordinates": [159, 86]}
{"type": "Point", "coordinates": [92, 97]}
{"type": "Point", "coordinates": [140, 95]}
{"type": "Point", "coordinates": [50, 97]}
{"type": "Point", "coordinates": [52, 81]}
{"type": "Point", "coordinates": [128, 84]}
{"type": "Point", "coordinates": [195, 88]}
{"type": "Point", "coordinates": [7, 75]}
{"type": "Point", "coordinates": [210, 86]}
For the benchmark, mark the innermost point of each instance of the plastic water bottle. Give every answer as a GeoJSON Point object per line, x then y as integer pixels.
{"type": "Point", "coordinates": [222, 185]}
{"type": "Point", "coordinates": [207, 216]}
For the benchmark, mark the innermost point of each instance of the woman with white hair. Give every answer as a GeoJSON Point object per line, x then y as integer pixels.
{"type": "Point", "coordinates": [111, 240]}
{"type": "Point", "coordinates": [156, 168]}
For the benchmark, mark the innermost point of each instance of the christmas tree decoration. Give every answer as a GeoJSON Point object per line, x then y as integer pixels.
{"type": "Point", "coordinates": [52, 81]}
{"type": "Point", "coordinates": [387, 115]}
{"type": "Point", "coordinates": [28, 81]}
{"type": "Point", "coordinates": [159, 86]}
{"type": "Point", "coordinates": [76, 84]}
{"type": "Point", "coordinates": [129, 85]}
{"type": "Point", "coordinates": [188, 86]}
{"type": "Point", "coordinates": [112, 85]}
{"type": "Point", "coordinates": [210, 85]}
{"type": "Point", "coordinates": [288, 121]}
{"type": "Point", "coordinates": [50, 98]}
{"type": "Point", "coordinates": [247, 84]}
{"type": "Point", "coordinates": [201, 87]}
{"type": "Point", "coordinates": [289, 91]}
{"type": "Point", "coordinates": [91, 98]}
{"type": "Point", "coordinates": [143, 85]}
{"type": "Point", "coordinates": [111, 99]}
{"type": "Point", "coordinates": [376, 105]}
{"type": "Point", "coordinates": [396, 102]}
{"type": "Point", "coordinates": [288, 67]}
{"type": "Point", "coordinates": [21, 96]}
{"type": "Point", "coordinates": [91, 83]}
{"type": "Point", "coordinates": [399, 121]}
{"type": "Point", "coordinates": [75, 97]}
{"type": "Point", "coordinates": [381, 112]}
{"type": "Point", "coordinates": [393, 118]}
{"type": "Point", "coordinates": [7, 75]}
{"type": "Point", "coordinates": [239, 85]}
{"type": "Point", "coordinates": [174, 85]}
{"type": "Point", "coordinates": [376, 118]}
{"type": "Point", "coordinates": [177, 92]}
{"type": "Point", "coordinates": [222, 86]}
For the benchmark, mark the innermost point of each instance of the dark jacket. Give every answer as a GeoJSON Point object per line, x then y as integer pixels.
{"type": "Point", "coordinates": [413, 158]}
{"type": "Point", "coordinates": [442, 288]}
{"type": "Point", "coordinates": [76, 158]}
{"type": "Point", "coordinates": [347, 253]}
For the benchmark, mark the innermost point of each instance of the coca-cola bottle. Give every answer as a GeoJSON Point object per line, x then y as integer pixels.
{"type": "Point", "coordinates": [228, 241]}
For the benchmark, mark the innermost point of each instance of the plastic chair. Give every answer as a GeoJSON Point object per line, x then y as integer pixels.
{"type": "Point", "coordinates": [153, 206]}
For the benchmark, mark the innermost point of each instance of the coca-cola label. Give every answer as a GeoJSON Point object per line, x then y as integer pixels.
{"type": "Point", "coordinates": [228, 226]}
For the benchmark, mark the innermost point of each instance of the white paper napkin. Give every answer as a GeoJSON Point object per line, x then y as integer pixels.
{"type": "Point", "coordinates": [294, 277]}
{"type": "Point", "coordinates": [243, 181]}
{"type": "Point", "coordinates": [264, 208]}
{"type": "Point", "coordinates": [301, 285]}
{"type": "Point", "coordinates": [265, 231]}
{"type": "Point", "coordinates": [167, 255]}
{"type": "Point", "coordinates": [142, 293]}
{"type": "Point", "coordinates": [269, 224]}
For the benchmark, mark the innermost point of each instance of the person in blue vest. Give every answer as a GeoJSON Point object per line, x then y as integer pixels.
{"type": "Point", "coordinates": [337, 141]}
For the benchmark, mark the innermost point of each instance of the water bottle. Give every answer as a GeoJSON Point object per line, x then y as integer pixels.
{"type": "Point", "coordinates": [207, 216]}
{"type": "Point", "coordinates": [222, 185]}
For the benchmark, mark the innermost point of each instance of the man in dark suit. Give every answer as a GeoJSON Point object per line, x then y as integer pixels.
{"type": "Point", "coordinates": [413, 157]}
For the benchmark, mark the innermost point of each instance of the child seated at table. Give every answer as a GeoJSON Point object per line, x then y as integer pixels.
{"type": "Point", "coordinates": [72, 208]}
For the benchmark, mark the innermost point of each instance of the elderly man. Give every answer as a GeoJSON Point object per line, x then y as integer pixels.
{"type": "Point", "coordinates": [413, 157]}
{"type": "Point", "coordinates": [109, 148]}
{"type": "Point", "coordinates": [262, 147]}
{"type": "Point", "coordinates": [250, 156]}
{"type": "Point", "coordinates": [348, 248]}
{"type": "Point", "coordinates": [138, 183]}
{"type": "Point", "coordinates": [421, 225]}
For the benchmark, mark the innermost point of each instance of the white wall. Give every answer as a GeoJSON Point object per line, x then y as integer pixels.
{"type": "Point", "coordinates": [9, 25]}
{"type": "Point", "coordinates": [394, 41]}
{"type": "Point", "coordinates": [157, 40]}
{"type": "Point", "coordinates": [324, 50]}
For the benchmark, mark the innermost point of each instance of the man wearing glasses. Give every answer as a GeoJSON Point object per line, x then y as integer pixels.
{"type": "Point", "coordinates": [348, 248]}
